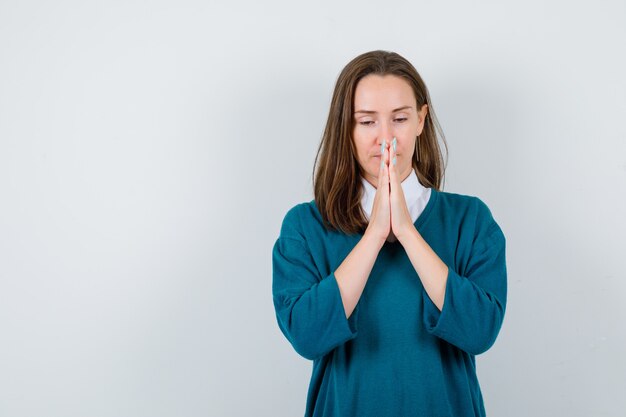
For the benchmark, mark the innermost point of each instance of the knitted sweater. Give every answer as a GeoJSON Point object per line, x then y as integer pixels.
{"type": "Point", "coordinates": [397, 354]}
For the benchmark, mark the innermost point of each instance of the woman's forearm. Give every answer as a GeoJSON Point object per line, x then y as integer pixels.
{"type": "Point", "coordinates": [429, 267]}
{"type": "Point", "coordinates": [354, 271]}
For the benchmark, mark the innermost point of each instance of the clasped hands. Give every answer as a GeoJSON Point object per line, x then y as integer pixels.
{"type": "Point", "coordinates": [390, 219]}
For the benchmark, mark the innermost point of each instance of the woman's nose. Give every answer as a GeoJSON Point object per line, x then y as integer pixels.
{"type": "Point", "coordinates": [386, 133]}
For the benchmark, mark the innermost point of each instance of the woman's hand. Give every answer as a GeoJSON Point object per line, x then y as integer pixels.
{"type": "Point", "coordinates": [401, 221]}
{"type": "Point", "coordinates": [380, 220]}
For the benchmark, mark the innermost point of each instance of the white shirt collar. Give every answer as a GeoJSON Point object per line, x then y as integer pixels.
{"type": "Point", "coordinates": [415, 194]}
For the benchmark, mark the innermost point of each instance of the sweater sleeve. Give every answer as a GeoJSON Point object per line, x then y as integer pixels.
{"type": "Point", "coordinates": [474, 303]}
{"type": "Point", "coordinates": [309, 307]}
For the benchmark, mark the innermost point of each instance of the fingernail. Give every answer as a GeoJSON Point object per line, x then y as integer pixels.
{"type": "Point", "coordinates": [394, 160]}
{"type": "Point", "coordinates": [382, 148]}
{"type": "Point", "coordinates": [382, 163]}
{"type": "Point", "coordinates": [394, 143]}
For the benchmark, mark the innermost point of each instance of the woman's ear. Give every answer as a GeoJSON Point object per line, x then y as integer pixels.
{"type": "Point", "coordinates": [423, 113]}
{"type": "Point", "coordinates": [421, 119]}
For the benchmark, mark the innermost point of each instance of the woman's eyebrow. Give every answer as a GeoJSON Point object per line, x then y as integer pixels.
{"type": "Point", "coordinates": [374, 112]}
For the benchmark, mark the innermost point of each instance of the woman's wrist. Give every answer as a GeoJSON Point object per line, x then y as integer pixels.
{"type": "Point", "coordinates": [370, 237]}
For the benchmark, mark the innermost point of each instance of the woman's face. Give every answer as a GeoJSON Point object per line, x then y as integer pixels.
{"type": "Point", "coordinates": [385, 106]}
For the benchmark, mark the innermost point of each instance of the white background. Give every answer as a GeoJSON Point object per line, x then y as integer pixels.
{"type": "Point", "coordinates": [149, 151]}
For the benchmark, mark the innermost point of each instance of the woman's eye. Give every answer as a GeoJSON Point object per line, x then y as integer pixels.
{"type": "Point", "coordinates": [370, 122]}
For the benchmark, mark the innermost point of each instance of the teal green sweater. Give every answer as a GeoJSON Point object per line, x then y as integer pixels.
{"type": "Point", "coordinates": [397, 354]}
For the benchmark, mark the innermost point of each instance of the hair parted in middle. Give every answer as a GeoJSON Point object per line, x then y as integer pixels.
{"type": "Point", "coordinates": [336, 172]}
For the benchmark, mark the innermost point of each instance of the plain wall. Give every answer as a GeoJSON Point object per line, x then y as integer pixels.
{"type": "Point", "coordinates": [149, 151]}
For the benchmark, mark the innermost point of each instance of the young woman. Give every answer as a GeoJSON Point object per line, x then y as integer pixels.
{"type": "Point", "coordinates": [389, 284]}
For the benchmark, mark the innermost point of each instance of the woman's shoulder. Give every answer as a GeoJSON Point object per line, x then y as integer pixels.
{"type": "Point", "coordinates": [302, 212]}
{"type": "Point", "coordinates": [463, 203]}
{"type": "Point", "coordinates": [299, 218]}
{"type": "Point", "coordinates": [473, 216]}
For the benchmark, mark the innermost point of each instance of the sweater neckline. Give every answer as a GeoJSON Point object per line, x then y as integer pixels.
{"type": "Point", "coordinates": [421, 219]}
{"type": "Point", "coordinates": [418, 223]}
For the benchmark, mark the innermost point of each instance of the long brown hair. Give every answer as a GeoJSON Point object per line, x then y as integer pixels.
{"type": "Point", "coordinates": [337, 178]}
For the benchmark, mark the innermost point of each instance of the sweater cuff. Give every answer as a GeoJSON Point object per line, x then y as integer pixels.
{"type": "Point", "coordinates": [345, 326]}
{"type": "Point", "coordinates": [435, 319]}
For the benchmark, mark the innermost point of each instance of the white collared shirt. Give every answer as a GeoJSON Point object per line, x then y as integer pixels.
{"type": "Point", "coordinates": [415, 194]}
